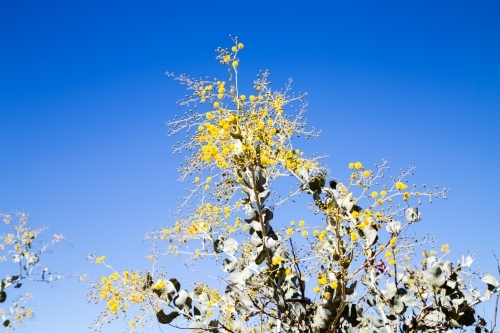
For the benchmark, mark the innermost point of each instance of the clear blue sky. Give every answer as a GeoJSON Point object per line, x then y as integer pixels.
{"type": "Point", "coordinates": [84, 99]}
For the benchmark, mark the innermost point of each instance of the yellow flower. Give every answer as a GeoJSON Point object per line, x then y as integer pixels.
{"type": "Point", "coordinates": [209, 116]}
{"type": "Point", "coordinates": [354, 236]}
{"type": "Point", "coordinates": [393, 241]}
{"type": "Point", "coordinates": [316, 233]}
{"type": "Point", "coordinates": [132, 323]}
{"type": "Point", "coordinates": [209, 179]}
{"type": "Point", "coordinates": [292, 223]}
{"type": "Point", "coordinates": [216, 104]}
{"type": "Point", "coordinates": [301, 223]}
{"type": "Point", "coordinates": [401, 186]}
{"type": "Point", "coordinates": [235, 63]}
{"type": "Point", "coordinates": [406, 196]}
{"type": "Point", "coordinates": [197, 179]}
{"type": "Point", "coordinates": [383, 193]}
{"type": "Point", "coordinates": [388, 254]}
{"type": "Point", "coordinates": [327, 295]}
{"type": "Point", "coordinates": [392, 262]}
{"type": "Point", "coordinates": [358, 165]}
{"type": "Point", "coordinates": [334, 285]}
{"type": "Point", "coordinates": [288, 271]}
{"type": "Point", "coordinates": [305, 233]}
{"type": "Point", "coordinates": [243, 97]}
{"type": "Point", "coordinates": [351, 165]}
{"type": "Point", "coordinates": [234, 49]}
{"type": "Point", "coordinates": [240, 46]}
{"type": "Point", "coordinates": [150, 257]}
{"type": "Point", "coordinates": [322, 281]}
{"type": "Point", "coordinates": [367, 173]}
{"type": "Point", "coordinates": [425, 254]}
{"type": "Point", "coordinates": [227, 58]}
{"type": "Point", "coordinates": [207, 187]}
{"type": "Point", "coordinates": [316, 289]}
{"type": "Point", "coordinates": [355, 214]}
{"type": "Point", "coordinates": [374, 194]}
{"type": "Point", "coordinates": [289, 232]}
{"type": "Point", "coordinates": [445, 248]}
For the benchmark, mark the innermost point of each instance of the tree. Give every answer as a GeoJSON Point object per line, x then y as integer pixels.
{"type": "Point", "coordinates": [21, 256]}
{"type": "Point", "coordinates": [350, 270]}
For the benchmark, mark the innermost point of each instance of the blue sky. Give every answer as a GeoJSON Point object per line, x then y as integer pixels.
{"type": "Point", "coordinates": [84, 99]}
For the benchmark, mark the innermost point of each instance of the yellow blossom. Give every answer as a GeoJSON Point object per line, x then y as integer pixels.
{"type": "Point", "coordinates": [358, 165]}
{"type": "Point", "coordinates": [401, 186]}
{"type": "Point", "coordinates": [316, 289]}
{"type": "Point", "coordinates": [334, 285]}
{"type": "Point", "coordinates": [354, 236]}
{"type": "Point", "coordinates": [305, 233]}
{"type": "Point", "coordinates": [374, 194]}
{"type": "Point", "coordinates": [322, 281]}
{"type": "Point", "coordinates": [445, 248]}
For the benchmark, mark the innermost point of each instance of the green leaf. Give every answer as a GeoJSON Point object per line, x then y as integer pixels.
{"type": "Point", "coordinates": [176, 284]}
{"type": "Point", "coordinates": [218, 244]}
{"type": "Point", "coordinates": [491, 281]}
{"type": "Point", "coordinates": [370, 235]}
{"type": "Point", "coordinates": [229, 265]}
{"type": "Point", "coordinates": [164, 318]}
{"type": "Point", "coordinates": [413, 215]}
{"type": "Point", "coordinates": [390, 290]}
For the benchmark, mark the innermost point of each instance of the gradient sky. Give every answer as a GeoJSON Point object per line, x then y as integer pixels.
{"type": "Point", "coordinates": [84, 99]}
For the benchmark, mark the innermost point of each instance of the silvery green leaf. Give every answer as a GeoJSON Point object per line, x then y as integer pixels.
{"type": "Point", "coordinates": [393, 227]}
{"type": "Point", "coordinates": [263, 196]}
{"type": "Point", "coordinates": [219, 244]}
{"type": "Point", "coordinates": [229, 265]}
{"type": "Point", "coordinates": [390, 290]}
{"type": "Point", "coordinates": [491, 281]}
{"type": "Point", "coordinates": [181, 298]}
{"type": "Point", "coordinates": [412, 214]}
{"type": "Point", "coordinates": [370, 235]}
{"type": "Point", "coordinates": [255, 239]}
{"type": "Point", "coordinates": [230, 246]}
{"type": "Point", "coordinates": [166, 319]}
{"type": "Point", "coordinates": [467, 261]}
{"type": "Point", "coordinates": [240, 278]}
{"type": "Point", "coordinates": [437, 274]}
{"type": "Point", "coordinates": [261, 256]}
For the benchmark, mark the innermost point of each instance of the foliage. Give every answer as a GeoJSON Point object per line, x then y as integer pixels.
{"type": "Point", "coordinates": [21, 255]}
{"type": "Point", "coordinates": [351, 270]}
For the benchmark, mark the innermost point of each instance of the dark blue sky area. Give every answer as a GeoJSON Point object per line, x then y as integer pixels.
{"type": "Point", "coordinates": [84, 99]}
